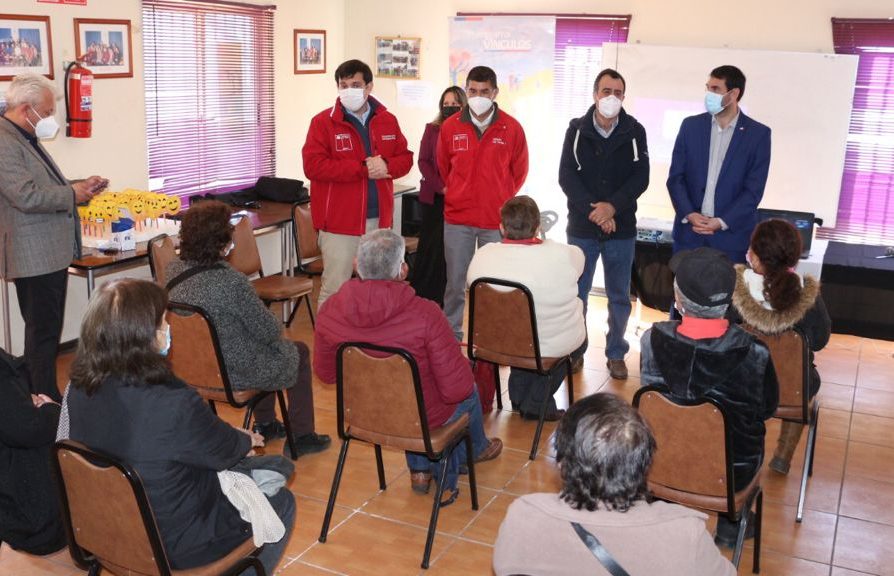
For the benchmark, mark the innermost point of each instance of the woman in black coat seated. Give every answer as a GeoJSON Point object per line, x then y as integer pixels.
{"type": "Point", "coordinates": [30, 519]}
{"type": "Point", "coordinates": [125, 401]}
{"type": "Point", "coordinates": [773, 298]}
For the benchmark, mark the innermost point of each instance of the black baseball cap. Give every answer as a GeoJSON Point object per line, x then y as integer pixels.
{"type": "Point", "coordinates": [704, 275]}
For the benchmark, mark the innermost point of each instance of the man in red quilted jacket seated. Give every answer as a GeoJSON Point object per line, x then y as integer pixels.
{"type": "Point", "coordinates": [380, 308]}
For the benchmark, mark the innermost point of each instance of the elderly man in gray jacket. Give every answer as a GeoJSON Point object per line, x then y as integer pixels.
{"type": "Point", "coordinates": [39, 230]}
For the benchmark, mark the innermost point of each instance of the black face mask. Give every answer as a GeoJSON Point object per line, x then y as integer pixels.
{"type": "Point", "coordinates": [448, 111]}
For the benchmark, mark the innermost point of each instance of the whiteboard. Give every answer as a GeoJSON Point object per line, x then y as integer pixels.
{"type": "Point", "coordinates": [805, 99]}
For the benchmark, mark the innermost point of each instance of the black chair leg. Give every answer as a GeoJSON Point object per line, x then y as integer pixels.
{"type": "Point", "coordinates": [435, 510]}
{"type": "Point", "coordinates": [570, 379]}
{"type": "Point", "coordinates": [758, 519]}
{"type": "Point", "coordinates": [292, 313]}
{"type": "Point", "coordinates": [380, 467]}
{"type": "Point", "coordinates": [310, 310]}
{"type": "Point", "coordinates": [290, 439]}
{"type": "Point", "coordinates": [249, 410]}
{"type": "Point", "coordinates": [470, 463]}
{"type": "Point", "coordinates": [539, 431]}
{"type": "Point", "coordinates": [212, 406]}
{"type": "Point", "coordinates": [333, 492]}
{"type": "Point", "coordinates": [498, 387]}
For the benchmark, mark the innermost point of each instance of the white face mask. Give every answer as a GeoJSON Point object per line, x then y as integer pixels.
{"type": "Point", "coordinates": [45, 128]}
{"type": "Point", "coordinates": [610, 106]}
{"type": "Point", "coordinates": [352, 98]}
{"type": "Point", "coordinates": [480, 105]}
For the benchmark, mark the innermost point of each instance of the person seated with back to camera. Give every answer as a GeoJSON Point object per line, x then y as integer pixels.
{"type": "Point", "coordinates": [256, 353]}
{"type": "Point", "coordinates": [125, 401]}
{"type": "Point", "coordinates": [604, 451]}
{"type": "Point", "coordinates": [380, 308]}
{"type": "Point", "coordinates": [550, 270]}
{"type": "Point", "coordinates": [705, 356]}
{"type": "Point", "coordinates": [773, 298]}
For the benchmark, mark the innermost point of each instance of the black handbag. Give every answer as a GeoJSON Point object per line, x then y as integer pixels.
{"type": "Point", "coordinates": [281, 190]}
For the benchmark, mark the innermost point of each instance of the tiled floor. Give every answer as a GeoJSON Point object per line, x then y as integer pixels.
{"type": "Point", "coordinates": [847, 530]}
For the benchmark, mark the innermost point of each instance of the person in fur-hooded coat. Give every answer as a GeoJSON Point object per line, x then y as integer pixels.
{"type": "Point", "coordinates": [771, 297]}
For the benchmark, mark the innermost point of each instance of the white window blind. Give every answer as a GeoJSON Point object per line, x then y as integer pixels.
{"type": "Point", "coordinates": [209, 95]}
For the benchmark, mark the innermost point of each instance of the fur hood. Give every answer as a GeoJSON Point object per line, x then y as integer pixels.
{"type": "Point", "coordinates": [771, 321]}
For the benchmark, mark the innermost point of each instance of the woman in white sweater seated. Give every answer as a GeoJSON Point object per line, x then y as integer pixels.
{"type": "Point", "coordinates": [550, 271]}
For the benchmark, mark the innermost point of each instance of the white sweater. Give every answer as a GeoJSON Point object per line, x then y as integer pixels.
{"type": "Point", "coordinates": [550, 271]}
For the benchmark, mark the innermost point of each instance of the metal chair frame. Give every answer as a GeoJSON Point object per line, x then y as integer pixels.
{"type": "Point", "coordinates": [442, 456]}
{"type": "Point", "coordinates": [249, 405]}
{"type": "Point", "coordinates": [755, 498]}
{"type": "Point", "coordinates": [86, 559]}
{"type": "Point", "coordinates": [809, 414]}
{"type": "Point", "coordinates": [474, 353]}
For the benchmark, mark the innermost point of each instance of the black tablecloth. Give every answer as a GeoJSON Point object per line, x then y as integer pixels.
{"type": "Point", "coordinates": [858, 289]}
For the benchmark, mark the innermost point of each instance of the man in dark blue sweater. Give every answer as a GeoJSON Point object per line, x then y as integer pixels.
{"type": "Point", "coordinates": [604, 169]}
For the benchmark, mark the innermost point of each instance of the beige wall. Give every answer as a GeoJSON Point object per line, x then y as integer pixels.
{"type": "Point", "coordinates": [118, 147]}
{"type": "Point", "coordinates": [796, 25]}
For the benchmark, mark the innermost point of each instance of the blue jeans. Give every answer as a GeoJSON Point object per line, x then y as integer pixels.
{"type": "Point", "coordinates": [617, 261]}
{"type": "Point", "coordinates": [472, 406]}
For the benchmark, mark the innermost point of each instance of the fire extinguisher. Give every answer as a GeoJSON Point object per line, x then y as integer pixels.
{"type": "Point", "coordinates": [78, 101]}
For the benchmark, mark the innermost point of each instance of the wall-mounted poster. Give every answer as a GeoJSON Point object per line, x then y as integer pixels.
{"type": "Point", "coordinates": [397, 57]}
{"type": "Point", "coordinates": [25, 45]}
{"type": "Point", "coordinates": [310, 51]}
{"type": "Point", "coordinates": [104, 47]}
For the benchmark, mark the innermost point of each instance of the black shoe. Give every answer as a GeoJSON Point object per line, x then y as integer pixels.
{"type": "Point", "coordinates": [728, 532]}
{"type": "Point", "coordinates": [308, 444]}
{"type": "Point", "coordinates": [270, 430]}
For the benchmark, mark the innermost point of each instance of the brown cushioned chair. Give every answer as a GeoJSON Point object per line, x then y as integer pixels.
{"type": "Point", "coordinates": [110, 522]}
{"type": "Point", "coordinates": [278, 288]}
{"type": "Point", "coordinates": [379, 400]}
{"type": "Point", "coordinates": [161, 253]}
{"type": "Point", "coordinates": [790, 351]}
{"type": "Point", "coordinates": [307, 247]}
{"type": "Point", "coordinates": [503, 330]}
{"type": "Point", "coordinates": [196, 359]}
{"type": "Point", "coordinates": [693, 463]}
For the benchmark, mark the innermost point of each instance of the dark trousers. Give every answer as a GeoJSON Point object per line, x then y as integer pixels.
{"type": "Point", "coordinates": [429, 274]}
{"type": "Point", "coordinates": [529, 390]}
{"type": "Point", "coordinates": [42, 304]}
{"type": "Point", "coordinates": [300, 398]}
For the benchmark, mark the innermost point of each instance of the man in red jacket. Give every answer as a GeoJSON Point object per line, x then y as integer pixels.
{"type": "Point", "coordinates": [483, 159]}
{"type": "Point", "coordinates": [353, 152]}
{"type": "Point", "coordinates": [380, 308]}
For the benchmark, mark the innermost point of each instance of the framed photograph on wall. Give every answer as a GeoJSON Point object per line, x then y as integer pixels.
{"type": "Point", "coordinates": [104, 47]}
{"type": "Point", "coordinates": [310, 51]}
{"type": "Point", "coordinates": [26, 45]}
{"type": "Point", "coordinates": [397, 57]}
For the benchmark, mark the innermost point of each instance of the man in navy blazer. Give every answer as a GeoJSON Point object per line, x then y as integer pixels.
{"type": "Point", "coordinates": [719, 170]}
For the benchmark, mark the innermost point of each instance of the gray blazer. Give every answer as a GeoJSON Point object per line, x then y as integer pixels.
{"type": "Point", "coordinates": [40, 232]}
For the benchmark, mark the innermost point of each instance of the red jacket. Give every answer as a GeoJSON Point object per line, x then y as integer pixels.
{"type": "Point", "coordinates": [334, 155]}
{"type": "Point", "coordinates": [389, 313]}
{"type": "Point", "coordinates": [481, 174]}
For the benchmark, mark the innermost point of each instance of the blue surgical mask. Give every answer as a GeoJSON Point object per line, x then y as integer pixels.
{"type": "Point", "coordinates": [714, 103]}
{"type": "Point", "coordinates": [167, 348]}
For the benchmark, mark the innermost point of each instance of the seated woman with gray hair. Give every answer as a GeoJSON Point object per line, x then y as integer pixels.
{"type": "Point", "coordinates": [380, 308]}
{"type": "Point", "coordinates": [604, 450]}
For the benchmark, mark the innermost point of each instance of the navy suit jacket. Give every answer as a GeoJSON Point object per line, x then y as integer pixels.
{"type": "Point", "coordinates": [740, 185]}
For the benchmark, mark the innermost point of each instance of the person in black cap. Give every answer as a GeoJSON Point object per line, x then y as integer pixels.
{"type": "Point", "coordinates": [704, 356]}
